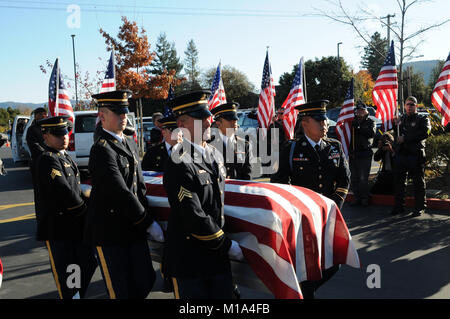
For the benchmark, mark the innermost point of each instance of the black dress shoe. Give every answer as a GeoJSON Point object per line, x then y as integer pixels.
{"type": "Point", "coordinates": [418, 213]}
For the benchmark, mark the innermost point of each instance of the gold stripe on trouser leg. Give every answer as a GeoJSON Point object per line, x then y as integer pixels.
{"type": "Point", "coordinates": [55, 274]}
{"type": "Point", "coordinates": [175, 288]}
{"type": "Point", "coordinates": [112, 294]}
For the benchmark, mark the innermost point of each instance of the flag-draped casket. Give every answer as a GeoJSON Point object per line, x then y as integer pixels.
{"type": "Point", "coordinates": [287, 233]}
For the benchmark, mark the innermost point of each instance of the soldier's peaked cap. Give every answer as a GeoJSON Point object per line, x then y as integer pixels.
{"type": "Point", "coordinates": [116, 101]}
{"type": "Point", "coordinates": [316, 109]}
{"type": "Point", "coordinates": [56, 125]}
{"type": "Point", "coordinates": [228, 111]}
{"type": "Point", "coordinates": [194, 104]}
{"type": "Point", "coordinates": [168, 122]}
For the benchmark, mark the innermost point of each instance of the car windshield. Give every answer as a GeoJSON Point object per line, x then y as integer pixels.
{"type": "Point", "coordinates": [85, 123]}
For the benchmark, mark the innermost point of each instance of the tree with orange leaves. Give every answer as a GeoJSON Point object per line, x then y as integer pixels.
{"type": "Point", "coordinates": [363, 87]}
{"type": "Point", "coordinates": [133, 58]}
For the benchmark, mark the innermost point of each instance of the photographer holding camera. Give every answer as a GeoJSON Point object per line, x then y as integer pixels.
{"type": "Point", "coordinates": [384, 183]}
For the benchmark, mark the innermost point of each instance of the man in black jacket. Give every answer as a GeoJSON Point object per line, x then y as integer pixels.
{"type": "Point", "coordinates": [197, 249]}
{"type": "Point", "coordinates": [410, 157]}
{"type": "Point", "coordinates": [236, 151]}
{"type": "Point", "coordinates": [60, 211]}
{"type": "Point", "coordinates": [360, 154]}
{"type": "Point", "coordinates": [119, 217]}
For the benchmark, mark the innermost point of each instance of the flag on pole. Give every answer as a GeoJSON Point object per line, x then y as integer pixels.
{"type": "Point", "coordinates": [294, 98]}
{"type": "Point", "coordinates": [109, 83]}
{"type": "Point", "coordinates": [345, 119]}
{"type": "Point", "coordinates": [58, 97]}
{"type": "Point", "coordinates": [170, 96]}
{"type": "Point", "coordinates": [217, 96]}
{"type": "Point", "coordinates": [441, 93]}
{"type": "Point", "coordinates": [266, 104]}
{"type": "Point", "coordinates": [384, 93]}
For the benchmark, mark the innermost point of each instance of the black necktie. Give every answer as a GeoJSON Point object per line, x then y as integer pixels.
{"type": "Point", "coordinates": [317, 148]}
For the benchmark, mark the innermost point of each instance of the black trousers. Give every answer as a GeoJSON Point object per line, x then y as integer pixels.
{"type": "Point", "coordinates": [62, 254]}
{"type": "Point", "coordinates": [360, 170]}
{"type": "Point", "coordinates": [309, 287]}
{"type": "Point", "coordinates": [211, 287]}
{"type": "Point", "coordinates": [414, 166]}
{"type": "Point", "coordinates": [127, 270]}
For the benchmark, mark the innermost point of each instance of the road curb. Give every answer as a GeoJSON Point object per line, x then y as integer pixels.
{"type": "Point", "coordinates": [388, 200]}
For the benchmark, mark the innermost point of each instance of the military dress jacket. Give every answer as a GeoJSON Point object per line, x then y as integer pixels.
{"type": "Point", "coordinates": [155, 158]}
{"type": "Point", "coordinates": [237, 156]}
{"type": "Point", "coordinates": [118, 211]}
{"type": "Point", "coordinates": [60, 206]}
{"type": "Point", "coordinates": [35, 141]}
{"type": "Point", "coordinates": [196, 244]}
{"type": "Point", "coordinates": [326, 172]}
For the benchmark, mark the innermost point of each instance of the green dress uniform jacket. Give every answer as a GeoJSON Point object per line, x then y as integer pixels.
{"type": "Point", "coordinates": [60, 205]}
{"type": "Point", "coordinates": [118, 211]}
{"type": "Point", "coordinates": [326, 172]}
{"type": "Point", "coordinates": [196, 244]}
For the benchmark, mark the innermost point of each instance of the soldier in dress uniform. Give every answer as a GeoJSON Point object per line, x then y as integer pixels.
{"type": "Point", "coordinates": [236, 151]}
{"type": "Point", "coordinates": [156, 156]}
{"type": "Point", "coordinates": [198, 250]}
{"type": "Point", "coordinates": [119, 217]}
{"type": "Point", "coordinates": [60, 210]}
{"type": "Point", "coordinates": [315, 162]}
{"type": "Point", "coordinates": [409, 158]}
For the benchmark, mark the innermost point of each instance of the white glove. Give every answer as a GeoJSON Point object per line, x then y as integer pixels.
{"type": "Point", "coordinates": [156, 232]}
{"type": "Point", "coordinates": [86, 190]}
{"type": "Point", "coordinates": [235, 252]}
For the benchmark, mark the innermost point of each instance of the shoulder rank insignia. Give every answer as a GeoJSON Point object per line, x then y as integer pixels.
{"type": "Point", "coordinates": [183, 193]}
{"type": "Point", "coordinates": [55, 173]}
{"type": "Point", "coordinates": [66, 165]}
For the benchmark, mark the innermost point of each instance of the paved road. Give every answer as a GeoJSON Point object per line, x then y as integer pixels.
{"type": "Point", "coordinates": [413, 255]}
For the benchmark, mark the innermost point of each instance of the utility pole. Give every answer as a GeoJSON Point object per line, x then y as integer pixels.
{"type": "Point", "coordinates": [388, 17]}
{"type": "Point", "coordinates": [75, 70]}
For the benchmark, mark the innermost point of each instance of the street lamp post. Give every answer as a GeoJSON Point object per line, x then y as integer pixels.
{"type": "Point", "coordinates": [75, 70]}
{"type": "Point", "coordinates": [339, 67]}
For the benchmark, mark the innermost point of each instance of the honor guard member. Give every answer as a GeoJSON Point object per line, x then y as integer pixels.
{"type": "Point", "coordinates": [409, 158]}
{"type": "Point", "coordinates": [156, 156]}
{"type": "Point", "coordinates": [236, 151]}
{"type": "Point", "coordinates": [119, 217]}
{"type": "Point", "coordinates": [60, 211]}
{"type": "Point", "coordinates": [315, 162]}
{"type": "Point", "coordinates": [197, 251]}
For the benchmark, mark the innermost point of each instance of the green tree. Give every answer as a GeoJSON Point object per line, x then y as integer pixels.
{"type": "Point", "coordinates": [165, 57]}
{"type": "Point", "coordinates": [235, 82]}
{"type": "Point", "coordinates": [191, 67]}
{"type": "Point", "coordinates": [374, 55]}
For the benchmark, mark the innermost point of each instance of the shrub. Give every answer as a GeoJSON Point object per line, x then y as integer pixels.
{"type": "Point", "coordinates": [438, 153]}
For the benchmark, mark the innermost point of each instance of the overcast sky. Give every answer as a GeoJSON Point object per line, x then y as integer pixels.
{"type": "Point", "coordinates": [234, 32]}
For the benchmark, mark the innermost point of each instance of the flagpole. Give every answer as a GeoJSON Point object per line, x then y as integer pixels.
{"type": "Point", "coordinates": [57, 88]}
{"type": "Point", "coordinates": [304, 79]}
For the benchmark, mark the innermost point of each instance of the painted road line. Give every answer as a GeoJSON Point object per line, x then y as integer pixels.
{"type": "Point", "coordinates": [3, 207]}
{"type": "Point", "coordinates": [16, 219]}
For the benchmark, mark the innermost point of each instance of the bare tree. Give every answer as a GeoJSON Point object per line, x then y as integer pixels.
{"type": "Point", "coordinates": [407, 43]}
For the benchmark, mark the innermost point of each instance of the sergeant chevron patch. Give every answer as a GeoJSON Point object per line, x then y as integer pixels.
{"type": "Point", "coordinates": [184, 193]}
{"type": "Point", "coordinates": [55, 173]}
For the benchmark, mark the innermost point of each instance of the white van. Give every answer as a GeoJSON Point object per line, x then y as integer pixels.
{"type": "Point", "coordinates": [19, 152]}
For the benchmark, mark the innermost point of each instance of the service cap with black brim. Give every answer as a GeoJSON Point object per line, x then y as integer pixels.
{"type": "Point", "coordinates": [315, 109]}
{"type": "Point", "coordinates": [361, 106]}
{"type": "Point", "coordinates": [116, 101]}
{"type": "Point", "coordinates": [168, 122]}
{"type": "Point", "coordinates": [193, 104]}
{"type": "Point", "coordinates": [228, 111]}
{"type": "Point", "coordinates": [56, 125]}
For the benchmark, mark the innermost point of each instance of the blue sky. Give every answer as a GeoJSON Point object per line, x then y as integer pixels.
{"type": "Point", "coordinates": [235, 32]}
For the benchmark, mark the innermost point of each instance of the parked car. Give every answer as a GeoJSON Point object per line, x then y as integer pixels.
{"type": "Point", "coordinates": [20, 153]}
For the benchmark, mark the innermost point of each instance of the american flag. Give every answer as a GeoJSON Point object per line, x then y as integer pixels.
{"type": "Point", "coordinates": [345, 119]}
{"type": "Point", "coordinates": [294, 98]}
{"type": "Point", "coordinates": [58, 97]}
{"type": "Point", "coordinates": [288, 234]}
{"type": "Point", "coordinates": [170, 96]}
{"type": "Point", "coordinates": [109, 83]}
{"type": "Point", "coordinates": [441, 93]}
{"type": "Point", "coordinates": [384, 93]}
{"type": "Point", "coordinates": [217, 96]}
{"type": "Point", "coordinates": [266, 104]}
{"type": "Point", "coordinates": [1, 273]}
